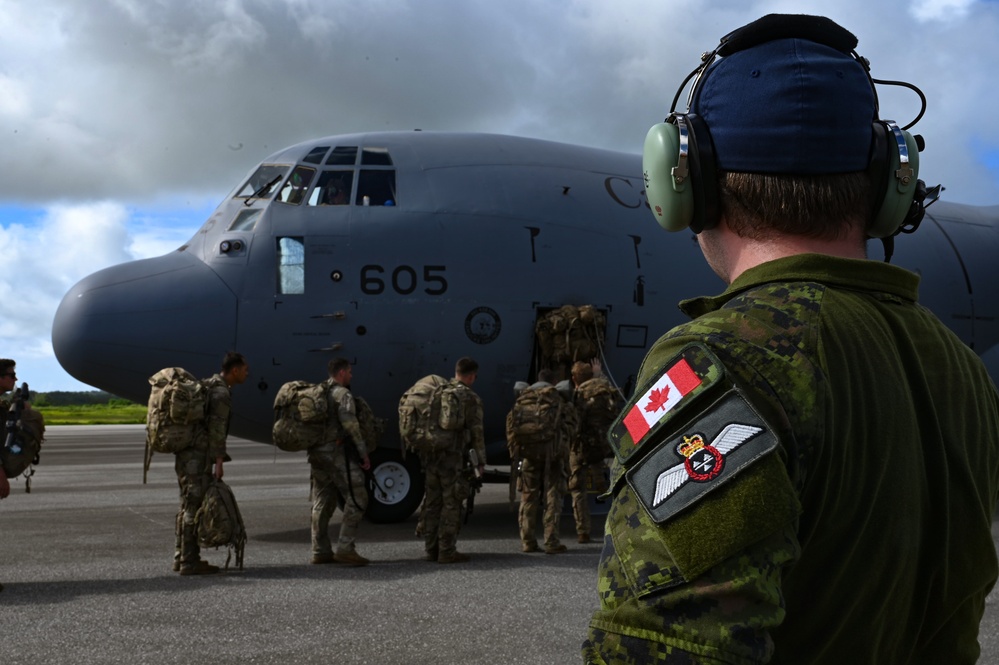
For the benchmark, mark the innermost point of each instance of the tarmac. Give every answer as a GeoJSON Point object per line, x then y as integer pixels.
{"type": "Point", "coordinates": [85, 561]}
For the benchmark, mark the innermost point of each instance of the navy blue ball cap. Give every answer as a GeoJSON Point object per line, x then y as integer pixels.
{"type": "Point", "coordinates": [788, 106]}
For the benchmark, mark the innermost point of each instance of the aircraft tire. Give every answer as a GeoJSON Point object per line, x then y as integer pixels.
{"type": "Point", "coordinates": [395, 486]}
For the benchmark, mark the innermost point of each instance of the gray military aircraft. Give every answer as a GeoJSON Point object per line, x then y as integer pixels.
{"type": "Point", "coordinates": [404, 251]}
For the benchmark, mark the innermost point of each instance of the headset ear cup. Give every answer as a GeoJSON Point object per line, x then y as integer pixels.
{"type": "Point", "coordinates": [671, 198]}
{"type": "Point", "coordinates": [900, 186]}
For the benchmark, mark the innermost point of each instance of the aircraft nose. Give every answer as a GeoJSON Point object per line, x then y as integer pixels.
{"type": "Point", "coordinates": [122, 324]}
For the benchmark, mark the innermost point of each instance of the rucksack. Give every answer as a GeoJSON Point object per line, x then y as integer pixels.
{"type": "Point", "coordinates": [371, 426]}
{"type": "Point", "coordinates": [430, 413]}
{"type": "Point", "coordinates": [533, 424]}
{"type": "Point", "coordinates": [25, 445]}
{"type": "Point", "coordinates": [177, 408]}
{"type": "Point", "coordinates": [598, 403]}
{"type": "Point", "coordinates": [219, 522]}
{"type": "Point", "coordinates": [571, 333]}
{"type": "Point", "coordinates": [300, 412]}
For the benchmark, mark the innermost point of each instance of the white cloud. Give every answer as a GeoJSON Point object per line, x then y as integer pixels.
{"type": "Point", "coordinates": [941, 10]}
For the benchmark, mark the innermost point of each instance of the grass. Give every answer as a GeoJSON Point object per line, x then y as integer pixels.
{"type": "Point", "coordinates": [94, 414]}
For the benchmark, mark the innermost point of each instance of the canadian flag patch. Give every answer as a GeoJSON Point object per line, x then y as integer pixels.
{"type": "Point", "coordinates": [678, 380]}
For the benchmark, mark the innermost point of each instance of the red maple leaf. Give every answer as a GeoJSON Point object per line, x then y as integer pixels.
{"type": "Point", "coordinates": [657, 399]}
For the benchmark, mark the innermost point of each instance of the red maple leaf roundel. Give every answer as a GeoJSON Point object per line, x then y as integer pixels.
{"type": "Point", "coordinates": [657, 399]}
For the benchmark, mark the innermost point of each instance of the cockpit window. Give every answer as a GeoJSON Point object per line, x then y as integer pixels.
{"type": "Point", "coordinates": [376, 188]}
{"type": "Point", "coordinates": [263, 182]}
{"type": "Point", "coordinates": [316, 155]}
{"type": "Point", "coordinates": [372, 185]}
{"type": "Point", "coordinates": [293, 191]}
{"type": "Point", "coordinates": [375, 157]}
{"type": "Point", "coordinates": [332, 189]}
{"type": "Point", "coordinates": [342, 156]}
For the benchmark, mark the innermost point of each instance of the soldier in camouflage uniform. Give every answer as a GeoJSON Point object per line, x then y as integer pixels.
{"type": "Point", "coordinates": [545, 479]}
{"type": "Point", "coordinates": [8, 378]}
{"type": "Point", "coordinates": [197, 464]}
{"type": "Point", "coordinates": [809, 469]}
{"type": "Point", "coordinates": [597, 403]}
{"type": "Point", "coordinates": [441, 512]}
{"type": "Point", "coordinates": [338, 466]}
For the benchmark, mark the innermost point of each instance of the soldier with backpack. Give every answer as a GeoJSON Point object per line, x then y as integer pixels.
{"type": "Point", "coordinates": [8, 378]}
{"type": "Point", "coordinates": [337, 465]}
{"type": "Point", "coordinates": [597, 403]}
{"type": "Point", "coordinates": [440, 419]}
{"type": "Point", "coordinates": [538, 431]}
{"type": "Point", "coordinates": [201, 461]}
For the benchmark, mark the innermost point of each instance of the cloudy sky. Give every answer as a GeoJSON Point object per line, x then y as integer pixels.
{"type": "Point", "coordinates": [125, 122]}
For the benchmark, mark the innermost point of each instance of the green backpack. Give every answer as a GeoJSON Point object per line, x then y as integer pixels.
{"type": "Point", "coordinates": [177, 408]}
{"type": "Point", "coordinates": [535, 423]}
{"type": "Point", "coordinates": [220, 523]}
{"type": "Point", "coordinates": [372, 427]}
{"type": "Point", "coordinates": [430, 413]}
{"type": "Point", "coordinates": [598, 403]}
{"type": "Point", "coordinates": [25, 444]}
{"type": "Point", "coordinates": [300, 412]}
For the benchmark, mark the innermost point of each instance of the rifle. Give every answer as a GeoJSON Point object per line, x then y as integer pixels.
{"type": "Point", "coordinates": [474, 485]}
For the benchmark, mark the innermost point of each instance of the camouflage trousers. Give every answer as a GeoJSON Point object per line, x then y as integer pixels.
{"type": "Point", "coordinates": [441, 504]}
{"type": "Point", "coordinates": [333, 474]}
{"type": "Point", "coordinates": [535, 477]}
{"type": "Point", "coordinates": [194, 474]}
{"type": "Point", "coordinates": [462, 489]}
{"type": "Point", "coordinates": [578, 472]}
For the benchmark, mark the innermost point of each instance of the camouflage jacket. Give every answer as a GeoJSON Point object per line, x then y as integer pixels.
{"type": "Point", "coordinates": [807, 474]}
{"type": "Point", "coordinates": [474, 438]}
{"type": "Point", "coordinates": [343, 419]}
{"type": "Point", "coordinates": [218, 415]}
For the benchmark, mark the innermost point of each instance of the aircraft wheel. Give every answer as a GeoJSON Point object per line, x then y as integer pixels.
{"type": "Point", "coordinates": [395, 486]}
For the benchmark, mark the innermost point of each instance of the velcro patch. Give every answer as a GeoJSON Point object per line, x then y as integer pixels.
{"type": "Point", "coordinates": [722, 441]}
{"type": "Point", "coordinates": [659, 400]}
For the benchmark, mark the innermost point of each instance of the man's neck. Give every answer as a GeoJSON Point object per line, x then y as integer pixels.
{"type": "Point", "coordinates": [748, 253]}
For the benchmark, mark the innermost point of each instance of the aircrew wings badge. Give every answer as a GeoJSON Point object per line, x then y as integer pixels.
{"type": "Point", "coordinates": [684, 377]}
{"type": "Point", "coordinates": [706, 453]}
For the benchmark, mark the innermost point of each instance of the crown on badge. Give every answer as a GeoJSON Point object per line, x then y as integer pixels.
{"type": "Point", "coordinates": [690, 445]}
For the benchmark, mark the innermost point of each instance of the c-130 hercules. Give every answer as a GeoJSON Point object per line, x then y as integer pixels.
{"type": "Point", "coordinates": [404, 251]}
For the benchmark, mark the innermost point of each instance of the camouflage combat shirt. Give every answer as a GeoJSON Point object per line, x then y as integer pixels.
{"type": "Point", "coordinates": [806, 474]}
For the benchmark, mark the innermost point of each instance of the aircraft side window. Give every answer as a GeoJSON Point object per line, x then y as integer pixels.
{"type": "Point", "coordinates": [293, 191]}
{"type": "Point", "coordinates": [246, 220]}
{"type": "Point", "coordinates": [342, 156]}
{"type": "Point", "coordinates": [291, 264]}
{"type": "Point", "coordinates": [263, 182]}
{"type": "Point", "coordinates": [332, 189]}
{"type": "Point", "coordinates": [376, 187]}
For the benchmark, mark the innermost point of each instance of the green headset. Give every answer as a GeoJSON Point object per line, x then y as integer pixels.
{"type": "Point", "coordinates": [678, 159]}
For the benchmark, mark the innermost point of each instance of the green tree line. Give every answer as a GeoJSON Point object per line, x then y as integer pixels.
{"type": "Point", "coordinates": [93, 407]}
{"type": "Point", "coordinates": [78, 398]}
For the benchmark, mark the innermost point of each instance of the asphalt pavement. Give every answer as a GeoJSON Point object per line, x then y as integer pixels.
{"type": "Point", "coordinates": [85, 561]}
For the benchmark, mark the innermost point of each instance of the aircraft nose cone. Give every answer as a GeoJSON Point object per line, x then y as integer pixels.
{"type": "Point", "coordinates": [121, 325]}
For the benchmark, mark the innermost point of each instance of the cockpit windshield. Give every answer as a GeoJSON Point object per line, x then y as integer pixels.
{"type": "Point", "coordinates": [263, 182]}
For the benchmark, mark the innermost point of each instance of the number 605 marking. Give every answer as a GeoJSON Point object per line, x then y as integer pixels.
{"type": "Point", "coordinates": [404, 280]}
